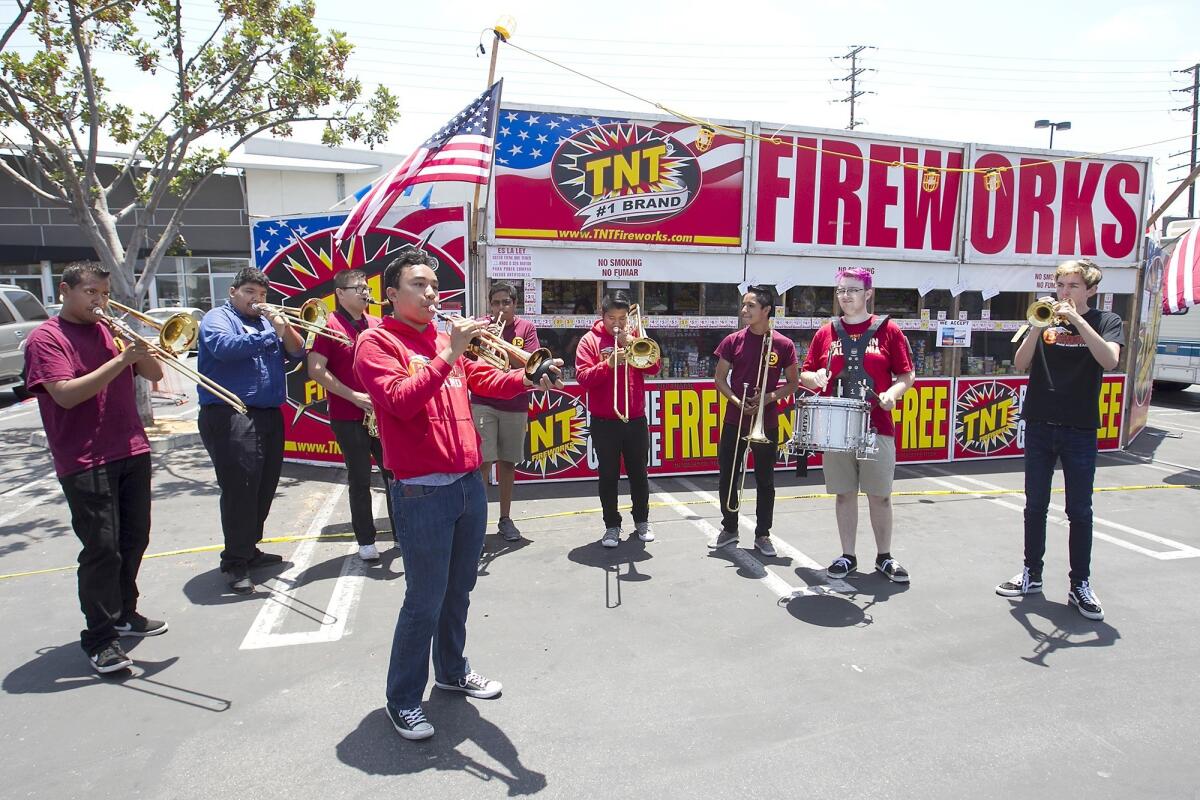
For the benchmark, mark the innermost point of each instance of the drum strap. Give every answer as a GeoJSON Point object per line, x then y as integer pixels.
{"type": "Point", "coordinates": [854, 370]}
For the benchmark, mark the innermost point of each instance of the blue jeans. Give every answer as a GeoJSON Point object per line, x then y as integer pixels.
{"type": "Point", "coordinates": [1076, 447]}
{"type": "Point", "coordinates": [440, 530]}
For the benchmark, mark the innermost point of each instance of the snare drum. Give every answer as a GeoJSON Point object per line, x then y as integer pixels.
{"type": "Point", "coordinates": [833, 424]}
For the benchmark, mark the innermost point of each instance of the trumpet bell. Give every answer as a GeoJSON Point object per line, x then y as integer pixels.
{"type": "Point", "coordinates": [1040, 314]}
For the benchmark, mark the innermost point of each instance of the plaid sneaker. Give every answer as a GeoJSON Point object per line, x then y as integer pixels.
{"type": "Point", "coordinates": [842, 566]}
{"type": "Point", "coordinates": [763, 545]}
{"type": "Point", "coordinates": [134, 624]}
{"type": "Point", "coordinates": [508, 530]}
{"type": "Point", "coordinates": [644, 531]}
{"type": "Point", "coordinates": [892, 570]}
{"type": "Point", "coordinates": [725, 538]}
{"type": "Point", "coordinates": [1019, 585]}
{"type": "Point", "coordinates": [110, 658]}
{"type": "Point", "coordinates": [473, 685]}
{"type": "Point", "coordinates": [1084, 599]}
{"type": "Point", "coordinates": [611, 538]}
{"type": "Point", "coordinates": [410, 723]}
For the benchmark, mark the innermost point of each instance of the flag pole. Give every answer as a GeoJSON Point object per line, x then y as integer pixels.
{"type": "Point", "coordinates": [500, 33]}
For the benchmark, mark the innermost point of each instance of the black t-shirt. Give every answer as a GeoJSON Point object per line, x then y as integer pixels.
{"type": "Point", "coordinates": [1064, 378]}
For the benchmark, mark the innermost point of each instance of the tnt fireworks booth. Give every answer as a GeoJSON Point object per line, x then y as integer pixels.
{"type": "Point", "coordinates": [684, 215]}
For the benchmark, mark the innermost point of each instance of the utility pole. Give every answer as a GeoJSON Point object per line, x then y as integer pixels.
{"type": "Point", "coordinates": [1195, 109]}
{"type": "Point", "coordinates": [855, 93]}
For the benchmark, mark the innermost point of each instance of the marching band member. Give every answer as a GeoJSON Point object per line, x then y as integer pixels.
{"type": "Point", "coordinates": [619, 428]}
{"type": "Point", "coordinates": [740, 356]}
{"type": "Point", "coordinates": [249, 355]}
{"type": "Point", "coordinates": [331, 364]}
{"type": "Point", "coordinates": [418, 381]}
{"type": "Point", "coordinates": [1066, 362]}
{"type": "Point", "coordinates": [502, 423]}
{"type": "Point", "coordinates": [85, 390]}
{"type": "Point", "coordinates": [859, 349]}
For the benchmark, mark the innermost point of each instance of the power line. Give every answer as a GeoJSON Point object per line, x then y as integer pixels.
{"type": "Point", "coordinates": [855, 93]}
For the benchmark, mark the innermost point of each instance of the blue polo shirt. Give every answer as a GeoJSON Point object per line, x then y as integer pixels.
{"type": "Point", "coordinates": [244, 355]}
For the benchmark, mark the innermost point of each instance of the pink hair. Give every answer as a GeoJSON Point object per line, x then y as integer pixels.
{"type": "Point", "coordinates": [855, 273]}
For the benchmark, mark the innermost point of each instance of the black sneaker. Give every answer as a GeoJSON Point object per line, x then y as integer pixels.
{"type": "Point", "coordinates": [262, 559]}
{"type": "Point", "coordinates": [842, 566]}
{"type": "Point", "coordinates": [1084, 599]}
{"type": "Point", "coordinates": [239, 580]}
{"type": "Point", "coordinates": [134, 624]}
{"type": "Point", "coordinates": [410, 723]}
{"type": "Point", "coordinates": [110, 658]}
{"type": "Point", "coordinates": [1025, 583]}
{"type": "Point", "coordinates": [474, 685]}
{"type": "Point", "coordinates": [892, 570]}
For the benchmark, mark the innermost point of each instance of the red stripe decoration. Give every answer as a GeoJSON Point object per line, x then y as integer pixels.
{"type": "Point", "coordinates": [1181, 283]}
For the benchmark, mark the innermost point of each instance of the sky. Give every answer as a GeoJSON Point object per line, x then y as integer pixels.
{"type": "Point", "coordinates": [957, 71]}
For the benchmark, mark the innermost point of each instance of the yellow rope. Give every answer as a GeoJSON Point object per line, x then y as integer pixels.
{"type": "Point", "coordinates": [330, 537]}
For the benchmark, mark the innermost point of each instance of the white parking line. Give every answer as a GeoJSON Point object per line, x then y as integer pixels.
{"type": "Point", "coordinates": [40, 498]}
{"type": "Point", "coordinates": [336, 619]}
{"type": "Point", "coordinates": [1179, 550]}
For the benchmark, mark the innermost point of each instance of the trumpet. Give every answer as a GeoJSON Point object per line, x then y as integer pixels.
{"type": "Point", "coordinates": [489, 347]}
{"type": "Point", "coordinates": [1039, 314]}
{"type": "Point", "coordinates": [177, 333]}
{"type": "Point", "coordinates": [758, 433]}
{"type": "Point", "coordinates": [162, 351]}
{"type": "Point", "coordinates": [641, 352]}
{"type": "Point", "coordinates": [312, 317]}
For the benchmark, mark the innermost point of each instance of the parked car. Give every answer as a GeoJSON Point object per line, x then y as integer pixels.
{"type": "Point", "coordinates": [163, 314]}
{"type": "Point", "coordinates": [20, 313]}
{"type": "Point", "coordinates": [53, 308]}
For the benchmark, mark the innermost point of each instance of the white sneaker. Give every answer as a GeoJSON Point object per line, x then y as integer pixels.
{"type": "Point", "coordinates": [644, 531]}
{"type": "Point", "coordinates": [368, 552]}
{"type": "Point", "coordinates": [611, 538]}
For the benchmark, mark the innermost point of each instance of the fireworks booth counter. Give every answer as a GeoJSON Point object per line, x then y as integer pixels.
{"type": "Point", "coordinates": [683, 216]}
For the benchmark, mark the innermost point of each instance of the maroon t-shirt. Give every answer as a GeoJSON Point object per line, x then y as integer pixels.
{"type": "Point", "coordinates": [523, 334]}
{"type": "Point", "coordinates": [340, 360]}
{"type": "Point", "coordinates": [744, 351]}
{"type": "Point", "coordinates": [98, 431]}
{"type": "Point", "coordinates": [886, 357]}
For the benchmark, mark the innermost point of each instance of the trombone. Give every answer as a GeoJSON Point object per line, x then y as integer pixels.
{"type": "Point", "coordinates": [489, 347]}
{"type": "Point", "coordinates": [162, 350]}
{"type": "Point", "coordinates": [758, 433]}
{"type": "Point", "coordinates": [176, 333]}
{"type": "Point", "coordinates": [312, 317]}
{"type": "Point", "coordinates": [641, 352]}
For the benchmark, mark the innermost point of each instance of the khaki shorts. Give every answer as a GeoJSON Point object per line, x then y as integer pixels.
{"type": "Point", "coordinates": [502, 433]}
{"type": "Point", "coordinates": [845, 474]}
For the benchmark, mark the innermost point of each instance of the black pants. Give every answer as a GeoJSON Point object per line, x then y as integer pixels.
{"type": "Point", "coordinates": [110, 512]}
{"type": "Point", "coordinates": [247, 455]}
{"type": "Point", "coordinates": [358, 448]}
{"type": "Point", "coordinates": [613, 440]}
{"type": "Point", "coordinates": [731, 453]}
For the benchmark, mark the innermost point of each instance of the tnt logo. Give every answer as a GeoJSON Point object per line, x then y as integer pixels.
{"type": "Point", "coordinates": [625, 172]}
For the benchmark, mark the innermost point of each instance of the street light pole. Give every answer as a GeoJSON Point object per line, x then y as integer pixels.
{"type": "Point", "coordinates": [1053, 126]}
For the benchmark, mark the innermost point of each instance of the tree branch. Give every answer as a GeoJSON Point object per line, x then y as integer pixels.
{"type": "Point", "coordinates": [89, 85]}
{"type": "Point", "coordinates": [24, 8]}
{"type": "Point", "coordinates": [20, 179]}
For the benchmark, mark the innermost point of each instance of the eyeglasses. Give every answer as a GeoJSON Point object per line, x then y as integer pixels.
{"type": "Point", "coordinates": [363, 289]}
{"type": "Point", "coordinates": [842, 291]}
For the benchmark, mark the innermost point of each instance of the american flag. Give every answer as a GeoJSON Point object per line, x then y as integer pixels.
{"type": "Point", "coordinates": [460, 151]}
{"type": "Point", "coordinates": [1181, 281]}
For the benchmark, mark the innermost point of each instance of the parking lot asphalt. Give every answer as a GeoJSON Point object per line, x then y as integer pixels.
{"type": "Point", "coordinates": [665, 669]}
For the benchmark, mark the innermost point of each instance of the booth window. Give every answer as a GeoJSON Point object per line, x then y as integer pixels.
{"type": "Point", "coordinates": [721, 300]}
{"type": "Point", "coordinates": [809, 301]}
{"type": "Point", "coordinates": [896, 303]}
{"type": "Point", "coordinates": [673, 299]}
{"type": "Point", "coordinates": [569, 297]}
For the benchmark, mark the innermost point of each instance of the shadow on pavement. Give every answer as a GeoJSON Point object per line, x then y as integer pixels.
{"type": "Point", "coordinates": [1057, 626]}
{"type": "Point", "coordinates": [375, 748]}
{"type": "Point", "coordinates": [611, 560]}
{"type": "Point", "coordinates": [65, 667]}
{"type": "Point", "coordinates": [828, 611]}
{"type": "Point", "coordinates": [495, 546]}
{"type": "Point", "coordinates": [211, 588]}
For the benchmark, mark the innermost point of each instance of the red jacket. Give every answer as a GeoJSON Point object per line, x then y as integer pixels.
{"type": "Point", "coordinates": [421, 402]}
{"type": "Point", "coordinates": [596, 375]}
